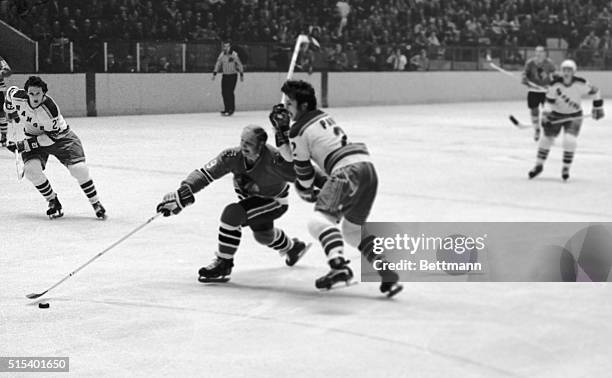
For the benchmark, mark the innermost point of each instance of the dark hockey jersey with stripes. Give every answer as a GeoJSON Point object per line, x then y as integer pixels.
{"type": "Point", "coordinates": [268, 177]}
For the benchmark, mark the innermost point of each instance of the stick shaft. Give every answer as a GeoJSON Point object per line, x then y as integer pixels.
{"type": "Point", "coordinates": [103, 252]}
{"type": "Point", "coordinates": [294, 56]}
{"type": "Point", "coordinates": [508, 73]}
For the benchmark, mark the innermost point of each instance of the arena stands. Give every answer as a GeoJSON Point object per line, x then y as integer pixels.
{"type": "Point", "coordinates": [358, 34]}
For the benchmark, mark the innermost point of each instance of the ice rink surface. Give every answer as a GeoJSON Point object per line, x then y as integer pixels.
{"type": "Point", "coordinates": [139, 310]}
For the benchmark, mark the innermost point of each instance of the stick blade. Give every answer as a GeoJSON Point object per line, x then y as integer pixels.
{"type": "Point", "coordinates": [34, 295]}
{"type": "Point", "coordinates": [514, 120]}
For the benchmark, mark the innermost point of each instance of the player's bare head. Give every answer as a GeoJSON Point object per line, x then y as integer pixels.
{"type": "Point", "coordinates": [568, 68]}
{"type": "Point", "coordinates": [252, 140]}
{"type": "Point", "coordinates": [540, 53]}
{"type": "Point", "coordinates": [36, 89]}
{"type": "Point", "coordinates": [301, 97]}
{"type": "Point", "coordinates": [227, 45]}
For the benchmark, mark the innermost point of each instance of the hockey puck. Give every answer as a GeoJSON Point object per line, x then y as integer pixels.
{"type": "Point", "coordinates": [43, 305]}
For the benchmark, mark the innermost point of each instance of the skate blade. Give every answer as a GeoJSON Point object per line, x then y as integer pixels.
{"type": "Point", "coordinates": [215, 279]}
{"type": "Point", "coordinates": [394, 290]}
{"type": "Point", "coordinates": [55, 216]}
{"type": "Point", "coordinates": [339, 285]}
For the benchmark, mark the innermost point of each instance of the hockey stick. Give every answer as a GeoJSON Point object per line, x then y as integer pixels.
{"type": "Point", "coordinates": [18, 159]}
{"type": "Point", "coordinates": [34, 295]}
{"type": "Point", "coordinates": [530, 84]}
{"type": "Point", "coordinates": [521, 125]}
{"type": "Point", "coordinates": [302, 38]}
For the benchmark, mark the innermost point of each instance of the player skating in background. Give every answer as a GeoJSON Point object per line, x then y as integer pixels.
{"type": "Point", "coordinates": [539, 70]}
{"type": "Point", "coordinates": [261, 178]}
{"type": "Point", "coordinates": [346, 196]}
{"type": "Point", "coordinates": [5, 71]}
{"type": "Point", "coordinates": [47, 133]}
{"type": "Point", "coordinates": [564, 101]}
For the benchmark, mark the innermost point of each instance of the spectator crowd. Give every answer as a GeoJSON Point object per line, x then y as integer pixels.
{"type": "Point", "coordinates": [358, 34]}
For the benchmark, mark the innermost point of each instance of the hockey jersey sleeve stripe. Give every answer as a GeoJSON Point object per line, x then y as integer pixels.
{"type": "Point", "coordinates": [50, 107]}
{"type": "Point", "coordinates": [207, 175]}
{"type": "Point", "coordinates": [350, 149]}
{"type": "Point", "coordinates": [197, 180]}
{"type": "Point", "coordinates": [305, 172]}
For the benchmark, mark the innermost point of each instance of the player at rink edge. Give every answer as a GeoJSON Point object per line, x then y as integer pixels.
{"type": "Point", "coordinates": [346, 196]}
{"type": "Point", "coordinates": [47, 133]}
{"type": "Point", "coordinates": [539, 70]}
{"type": "Point", "coordinates": [261, 179]}
{"type": "Point", "coordinates": [564, 101]}
{"type": "Point", "coordinates": [5, 71]}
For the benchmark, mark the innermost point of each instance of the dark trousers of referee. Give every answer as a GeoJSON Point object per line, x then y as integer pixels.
{"type": "Point", "coordinates": [228, 85]}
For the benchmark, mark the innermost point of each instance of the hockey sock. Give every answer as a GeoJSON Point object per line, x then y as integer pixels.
{"type": "Point", "coordinates": [542, 155]}
{"type": "Point", "coordinates": [3, 128]}
{"type": "Point", "coordinates": [332, 243]}
{"type": "Point", "coordinates": [569, 148]}
{"type": "Point", "coordinates": [366, 247]}
{"type": "Point", "coordinates": [80, 172]}
{"type": "Point", "coordinates": [46, 190]}
{"type": "Point", "coordinates": [543, 149]}
{"type": "Point", "coordinates": [90, 191]}
{"type": "Point", "coordinates": [281, 243]}
{"type": "Point", "coordinates": [229, 240]}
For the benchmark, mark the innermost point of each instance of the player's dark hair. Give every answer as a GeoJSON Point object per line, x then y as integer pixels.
{"type": "Point", "coordinates": [301, 92]}
{"type": "Point", "coordinates": [35, 81]}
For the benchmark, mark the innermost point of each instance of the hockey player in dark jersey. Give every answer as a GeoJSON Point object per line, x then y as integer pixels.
{"type": "Point", "coordinates": [261, 179]}
{"type": "Point", "coordinates": [346, 196]}
{"type": "Point", "coordinates": [537, 75]}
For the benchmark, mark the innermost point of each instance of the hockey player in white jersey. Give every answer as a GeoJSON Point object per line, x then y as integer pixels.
{"type": "Point", "coordinates": [348, 193]}
{"type": "Point", "coordinates": [5, 71]}
{"type": "Point", "coordinates": [564, 102]}
{"type": "Point", "coordinates": [47, 133]}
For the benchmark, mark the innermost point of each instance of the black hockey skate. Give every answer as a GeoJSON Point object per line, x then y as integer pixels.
{"type": "Point", "coordinates": [295, 254]}
{"type": "Point", "coordinates": [3, 140]}
{"type": "Point", "coordinates": [340, 272]}
{"type": "Point", "coordinates": [99, 210]}
{"type": "Point", "coordinates": [389, 284]}
{"type": "Point", "coordinates": [565, 173]}
{"type": "Point", "coordinates": [217, 271]}
{"type": "Point", "coordinates": [536, 171]}
{"type": "Point", "coordinates": [55, 208]}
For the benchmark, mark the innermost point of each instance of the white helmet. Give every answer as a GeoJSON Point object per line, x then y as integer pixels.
{"type": "Point", "coordinates": [569, 64]}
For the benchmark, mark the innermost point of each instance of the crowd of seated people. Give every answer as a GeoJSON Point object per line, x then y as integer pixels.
{"type": "Point", "coordinates": [358, 34]}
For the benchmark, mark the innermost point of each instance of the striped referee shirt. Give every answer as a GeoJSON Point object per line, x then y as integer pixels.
{"type": "Point", "coordinates": [228, 64]}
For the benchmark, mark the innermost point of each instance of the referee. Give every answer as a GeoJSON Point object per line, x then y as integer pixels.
{"type": "Point", "coordinates": [229, 63]}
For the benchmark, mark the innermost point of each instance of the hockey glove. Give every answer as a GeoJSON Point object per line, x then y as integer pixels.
{"type": "Point", "coordinates": [598, 111]}
{"type": "Point", "coordinates": [307, 194]}
{"type": "Point", "coordinates": [280, 120]}
{"type": "Point", "coordinates": [26, 145]}
{"type": "Point", "coordinates": [175, 202]}
{"type": "Point", "coordinates": [13, 117]}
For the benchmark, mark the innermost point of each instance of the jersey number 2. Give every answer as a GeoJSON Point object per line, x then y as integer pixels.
{"type": "Point", "coordinates": [329, 122]}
